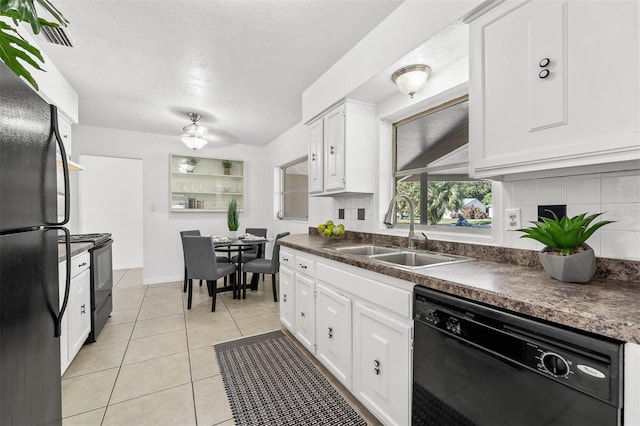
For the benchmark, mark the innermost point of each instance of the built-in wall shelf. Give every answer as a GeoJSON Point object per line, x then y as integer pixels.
{"type": "Point", "coordinates": [202, 184]}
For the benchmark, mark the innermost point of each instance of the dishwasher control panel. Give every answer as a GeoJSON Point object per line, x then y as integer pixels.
{"type": "Point", "coordinates": [573, 366]}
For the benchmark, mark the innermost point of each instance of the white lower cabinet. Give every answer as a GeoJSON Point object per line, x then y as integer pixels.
{"type": "Point", "coordinates": [333, 332]}
{"type": "Point", "coordinates": [76, 321]}
{"type": "Point", "coordinates": [79, 312]}
{"type": "Point", "coordinates": [305, 311]}
{"type": "Point", "coordinates": [287, 298]}
{"type": "Point", "coordinates": [358, 324]}
{"type": "Point", "coordinates": [382, 364]}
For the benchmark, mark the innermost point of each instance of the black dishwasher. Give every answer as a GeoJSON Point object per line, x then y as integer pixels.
{"type": "Point", "coordinates": [477, 365]}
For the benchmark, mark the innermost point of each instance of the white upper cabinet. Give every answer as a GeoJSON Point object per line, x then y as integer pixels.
{"type": "Point", "coordinates": [554, 85]}
{"type": "Point", "coordinates": [341, 150]}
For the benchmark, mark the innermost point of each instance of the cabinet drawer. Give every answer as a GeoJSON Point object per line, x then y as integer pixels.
{"type": "Point", "coordinates": [391, 298]}
{"type": "Point", "coordinates": [287, 259]}
{"type": "Point", "coordinates": [305, 266]}
{"type": "Point", "coordinates": [79, 263]}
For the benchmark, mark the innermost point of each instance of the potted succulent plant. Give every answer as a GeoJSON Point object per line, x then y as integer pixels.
{"type": "Point", "coordinates": [226, 165]}
{"type": "Point", "coordinates": [566, 256]}
{"type": "Point", "coordinates": [233, 218]}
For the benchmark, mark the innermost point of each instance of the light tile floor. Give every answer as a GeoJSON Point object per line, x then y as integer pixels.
{"type": "Point", "coordinates": [154, 363]}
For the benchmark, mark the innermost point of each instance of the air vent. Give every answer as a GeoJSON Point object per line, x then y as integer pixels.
{"type": "Point", "coordinates": [57, 36]}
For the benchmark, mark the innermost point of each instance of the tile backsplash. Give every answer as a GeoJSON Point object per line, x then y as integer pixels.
{"type": "Point", "coordinates": [357, 212]}
{"type": "Point", "coordinates": [617, 195]}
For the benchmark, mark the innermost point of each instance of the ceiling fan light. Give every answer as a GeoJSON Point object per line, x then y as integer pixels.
{"type": "Point", "coordinates": [411, 79]}
{"type": "Point", "coordinates": [193, 142]}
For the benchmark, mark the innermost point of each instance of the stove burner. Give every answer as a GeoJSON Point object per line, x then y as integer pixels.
{"type": "Point", "coordinates": [92, 238]}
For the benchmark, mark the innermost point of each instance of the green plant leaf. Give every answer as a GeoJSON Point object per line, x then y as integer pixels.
{"type": "Point", "coordinates": [565, 234]}
{"type": "Point", "coordinates": [25, 10]}
{"type": "Point", "coordinates": [49, 7]}
{"type": "Point", "coordinates": [14, 48]}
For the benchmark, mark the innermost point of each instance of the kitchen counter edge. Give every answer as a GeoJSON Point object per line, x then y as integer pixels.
{"type": "Point", "coordinates": [76, 248]}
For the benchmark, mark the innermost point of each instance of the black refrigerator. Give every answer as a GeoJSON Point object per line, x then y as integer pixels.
{"type": "Point", "coordinates": [30, 311]}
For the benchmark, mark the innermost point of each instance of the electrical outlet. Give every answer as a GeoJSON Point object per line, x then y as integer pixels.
{"type": "Point", "coordinates": [512, 219]}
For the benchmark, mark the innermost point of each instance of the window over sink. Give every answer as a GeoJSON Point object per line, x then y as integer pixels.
{"type": "Point", "coordinates": [430, 164]}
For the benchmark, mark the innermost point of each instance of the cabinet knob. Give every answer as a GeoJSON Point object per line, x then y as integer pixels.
{"type": "Point", "coordinates": [376, 363]}
{"type": "Point", "coordinates": [332, 150]}
{"type": "Point", "coordinates": [544, 73]}
{"type": "Point", "coordinates": [82, 264]}
{"type": "Point", "coordinates": [284, 259]}
{"type": "Point", "coordinates": [544, 62]}
{"type": "Point", "coordinates": [330, 333]}
{"type": "Point", "coordinates": [83, 309]}
{"type": "Point", "coordinates": [302, 314]}
{"type": "Point", "coordinates": [377, 370]}
{"type": "Point", "coordinates": [303, 266]}
{"type": "Point", "coordinates": [284, 297]}
{"type": "Point", "coordinates": [313, 156]}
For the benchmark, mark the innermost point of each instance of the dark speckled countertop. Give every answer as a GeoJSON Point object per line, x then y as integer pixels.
{"type": "Point", "coordinates": [603, 306]}
{"type": "Point", "coordinates": [76, 248]}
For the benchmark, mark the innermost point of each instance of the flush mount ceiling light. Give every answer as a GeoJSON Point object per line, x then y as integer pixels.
{"type": "Point", "coordinates": [411, 79]}
{"type": "Point", "coordinates": [193, 135]}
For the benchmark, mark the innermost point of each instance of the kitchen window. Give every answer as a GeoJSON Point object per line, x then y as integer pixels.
{"type": "Point", "coordinates": [431, 167]}
{"type": "Point", "coordinates": [294, 190]}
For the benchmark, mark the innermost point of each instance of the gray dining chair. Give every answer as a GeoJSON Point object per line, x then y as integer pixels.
{"type": "Point", "coordinates": [195, 233]}
{"type": "Point", "coordinates": [266, 266]}
{"type": "Point", "coordinates": [202, 265]}
{"type": "Point", "coordinates": [252, 253]}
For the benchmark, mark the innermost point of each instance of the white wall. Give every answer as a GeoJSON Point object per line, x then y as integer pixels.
{"type": "Point", "coordinates": [162, 246]}
{"type": "Point", "coordinates": [111, 196]}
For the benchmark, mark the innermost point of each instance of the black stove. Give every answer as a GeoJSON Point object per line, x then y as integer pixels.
{"type": "Point", "coordinates": [97, 238]}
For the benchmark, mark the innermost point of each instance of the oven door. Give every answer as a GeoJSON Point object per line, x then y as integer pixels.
{"type": "Point", "coordinates": [101, 273]}
{"type": "Point", "coordinates": [458, 383]}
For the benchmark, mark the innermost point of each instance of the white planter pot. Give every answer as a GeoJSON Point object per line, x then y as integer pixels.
{"type": "Point", "coordinates": [576, 268]}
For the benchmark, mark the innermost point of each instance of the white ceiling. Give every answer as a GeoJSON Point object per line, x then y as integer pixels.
{"type": "Point", "coordinates": [243, 65]}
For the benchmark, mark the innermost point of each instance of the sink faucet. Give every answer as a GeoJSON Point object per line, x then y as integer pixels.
{"type": "Point", "coordinates": [388, 220]}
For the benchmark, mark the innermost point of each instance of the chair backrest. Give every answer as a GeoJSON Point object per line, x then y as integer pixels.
{"type": "Point", "coordinates": [190, 233]}
{"type": "Point", "coordinates": [200, 258]}
{"type": "Point", "coordinates": [258, 232]}
{"type": "Point", "coordinates": [275, 257]}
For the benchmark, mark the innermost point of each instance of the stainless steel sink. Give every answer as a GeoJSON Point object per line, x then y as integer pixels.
{"type": "Point", "coordinates": [367, 250]}
{"type": "Point", "coordinates": [403, 258]}
{"type": "Point", "coordinates": [415, 260]}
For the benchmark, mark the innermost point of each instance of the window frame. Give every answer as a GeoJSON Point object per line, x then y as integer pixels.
{"type": "Point", "coordinates": [282, 192]}
{"type": "Point", "coordinates": [424, 173]}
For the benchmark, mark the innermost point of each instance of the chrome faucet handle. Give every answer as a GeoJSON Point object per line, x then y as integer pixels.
{"type": "Point", "coordinates": [418, 241]}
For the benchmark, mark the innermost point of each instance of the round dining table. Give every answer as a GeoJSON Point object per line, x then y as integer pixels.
{"type": "Point", "coordinates": [239, 245]}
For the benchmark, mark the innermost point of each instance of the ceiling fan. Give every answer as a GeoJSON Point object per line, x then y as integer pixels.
{"type": "Point", "coordinates": [193, 135]}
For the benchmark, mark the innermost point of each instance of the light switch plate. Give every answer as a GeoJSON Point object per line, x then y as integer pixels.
{"type": "Point", "coordinates": [512, 219]}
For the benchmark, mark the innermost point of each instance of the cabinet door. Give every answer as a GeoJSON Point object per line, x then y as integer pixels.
{"type": "Point", "coordinates": [316, 156]}
{"type": "Point", "coordinates": [79, 312]}
{"type": "Point", "coordinates": [287, 297]}
{"type": "Point", "coordinates": [305, 312]}
{"type": "Point", "coordinates": [382, 373]}
{"type": "Point", "coordinates": [334, 149]}
{"type": "Point", "coordinates": [64, 128]}
{"type": "Point", "coordinates": [534, 105]}
{"type": "Point", "coordinates": [333, 332]}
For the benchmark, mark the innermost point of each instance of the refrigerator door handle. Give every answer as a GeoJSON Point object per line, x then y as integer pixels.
{"type": "Point", "coordinates": [67, 284]}
{"type": "Point", "coordinates": [65, 165]}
